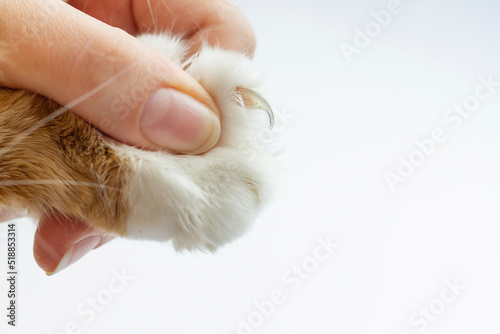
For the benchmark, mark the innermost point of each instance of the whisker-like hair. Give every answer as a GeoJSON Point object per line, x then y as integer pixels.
{"type": "Point", "coordinates": [10, 183]}
{"type": "Point", "coordinates": [23, 135]}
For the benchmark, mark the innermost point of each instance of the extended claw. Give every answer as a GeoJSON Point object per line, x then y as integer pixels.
{"type": "Point", "coordinates": [253, 99]}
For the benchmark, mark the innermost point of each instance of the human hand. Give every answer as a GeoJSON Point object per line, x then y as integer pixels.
{"type": "Point", "coordinates": [72, 54]}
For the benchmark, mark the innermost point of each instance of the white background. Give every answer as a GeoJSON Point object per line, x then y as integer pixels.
{"type": "Point", "coordinates": [346, 125]}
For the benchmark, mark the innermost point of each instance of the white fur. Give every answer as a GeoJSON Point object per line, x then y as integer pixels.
{"type": "Point", "coordinates": [208, 200]}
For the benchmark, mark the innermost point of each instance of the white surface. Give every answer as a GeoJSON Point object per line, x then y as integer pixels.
{"type": "Point", "coordinates": [350, 123]}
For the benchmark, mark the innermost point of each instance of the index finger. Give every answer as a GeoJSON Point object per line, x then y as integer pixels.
{"type": "Point", "coordinates": [215, 22]}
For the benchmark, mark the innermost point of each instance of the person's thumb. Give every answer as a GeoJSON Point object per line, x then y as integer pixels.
{"type": "Point", "coordinates": [106, 76]}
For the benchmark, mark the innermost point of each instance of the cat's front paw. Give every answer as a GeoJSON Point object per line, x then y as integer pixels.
{"type": "Point", "coordinates": [208, 200]}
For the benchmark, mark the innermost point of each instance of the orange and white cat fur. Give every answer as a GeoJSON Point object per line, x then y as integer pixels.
{"type": "Point", "coordinates": [66, 166]}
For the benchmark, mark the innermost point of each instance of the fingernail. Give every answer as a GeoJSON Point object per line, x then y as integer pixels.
{"type": "Point", "coordinates": [177, 121]}
{"type": "Point", "coordinates": [76, 252]}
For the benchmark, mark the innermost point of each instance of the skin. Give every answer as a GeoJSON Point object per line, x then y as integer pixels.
{"type": "Point", "coordinates": [64, 50]}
